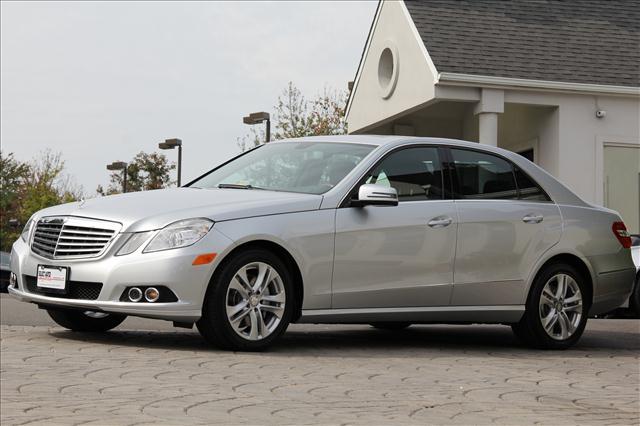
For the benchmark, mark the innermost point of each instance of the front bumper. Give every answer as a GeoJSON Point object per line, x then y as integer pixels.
{"type": "Point", "coordinates": [170, 268]}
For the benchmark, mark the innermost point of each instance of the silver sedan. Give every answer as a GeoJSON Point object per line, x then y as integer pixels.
{"type": "Point", "coordinates": [390, 231]}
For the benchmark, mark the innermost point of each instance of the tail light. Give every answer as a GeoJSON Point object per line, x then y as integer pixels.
{"type": "Point", "coordinates": [621, 233]}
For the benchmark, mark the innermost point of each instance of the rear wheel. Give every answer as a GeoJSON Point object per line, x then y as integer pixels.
{"type": "Point", "coordinates": [395, 325]}
{"type": "Point", "coordinates": [556, 311]}
{"type": "Point", "coordinates": [88, 321]}
{"type": "Point", "coordinates": [249, 302]}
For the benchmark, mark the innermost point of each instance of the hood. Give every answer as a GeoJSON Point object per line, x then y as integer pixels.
{"type": "Point", "coordinates": [149, 210]}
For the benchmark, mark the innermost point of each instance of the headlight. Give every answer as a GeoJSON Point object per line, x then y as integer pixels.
{"type": "Point", "coordinates": [26, 231]}
{"type": "Point", "coordinates": [179, 234]}
{"type": "Point", "coordinates": [134, 242]}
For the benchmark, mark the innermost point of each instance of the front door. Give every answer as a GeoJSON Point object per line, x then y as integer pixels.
{"type": "Point", "coordinates": [506, 224]}
{"type": "Point", "coordinates": [398, 256]}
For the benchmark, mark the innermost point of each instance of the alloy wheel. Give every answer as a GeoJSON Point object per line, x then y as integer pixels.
{"type": "Point", "coordinates": [255, 301]}
{"type": "Point", "coordinates": [560, 306]}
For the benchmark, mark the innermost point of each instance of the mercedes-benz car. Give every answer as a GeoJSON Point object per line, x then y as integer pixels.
{"type": "Point", "coordinates": [381, 230]}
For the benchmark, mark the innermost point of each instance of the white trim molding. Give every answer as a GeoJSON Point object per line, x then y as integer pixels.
{"type": "Point", "coordinates": [363, 58]}
{"type": "Point", "coordinates": [423, 48]}
{"type": "Point", "coordinates": [504, 82]}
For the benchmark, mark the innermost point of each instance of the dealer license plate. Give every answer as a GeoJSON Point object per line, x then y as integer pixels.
{"type": "Point", "coordinates": [52, 277]}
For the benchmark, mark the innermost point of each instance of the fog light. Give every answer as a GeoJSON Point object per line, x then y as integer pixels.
{"type": "Point", "coordinates": [135, 294]}
{"type": "Point", "coordinates": [151, 294]}
{"type": "Point", "coordinates": [13, 280]}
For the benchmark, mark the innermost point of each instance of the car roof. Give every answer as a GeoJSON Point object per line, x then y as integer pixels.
{"type": "Point", "coordinates": [394, 140]}
{"type": "Point", "coordinates": [377, 140]}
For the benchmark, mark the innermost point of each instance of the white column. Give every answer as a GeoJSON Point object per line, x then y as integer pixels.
{"type": "Point", "coordinates": [488, 128]}
{"type": "Point", "coordinates": [491, 104]}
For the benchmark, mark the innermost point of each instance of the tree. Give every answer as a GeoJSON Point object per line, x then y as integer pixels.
{"type": "Point", "coordinates": [47, 185]}
{"type": "Point", "coordinates": [27, 188]}
{"type": "Point", "coordinates": [145, 172]}
{"type": "Point", "coordinates": [296, 117]}
{"type": "Point", "coordinates": [13, 175]}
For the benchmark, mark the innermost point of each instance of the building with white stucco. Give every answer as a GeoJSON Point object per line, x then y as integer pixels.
{"type": "Point", "coordinates": [556, 81]}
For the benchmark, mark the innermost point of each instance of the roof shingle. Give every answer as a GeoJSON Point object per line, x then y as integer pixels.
{"type": "Point", "coordinates": [578, 41]}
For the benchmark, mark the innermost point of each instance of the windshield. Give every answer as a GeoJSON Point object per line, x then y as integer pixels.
{"type": "Point", "coordinates": [307, 167]}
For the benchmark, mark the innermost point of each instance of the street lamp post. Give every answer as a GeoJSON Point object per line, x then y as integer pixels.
{"type": "Point", "coordinates": [257, 118]}
{"type": "Point", "coordinates": [170, 144]}
{"type": "Point", "coordinates": [120, 165]}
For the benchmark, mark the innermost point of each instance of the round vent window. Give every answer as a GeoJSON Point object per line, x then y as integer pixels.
{"type": "Point", "coordinates": [388, 70]}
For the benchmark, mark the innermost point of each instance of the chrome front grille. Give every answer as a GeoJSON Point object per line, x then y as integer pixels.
{"type": "Point", "coordinates": [65, 237]}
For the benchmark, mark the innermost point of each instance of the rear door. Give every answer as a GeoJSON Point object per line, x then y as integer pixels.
{"type": "Point", "coordinates": [398, 256]}
{"type": "Point", "coordinates": [506, 223]}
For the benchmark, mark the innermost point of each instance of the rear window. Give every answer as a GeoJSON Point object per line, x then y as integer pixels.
{"type": "Point", "coordinates": [527, 188]}
{"type": "Point", "coordinates": [483, 176]}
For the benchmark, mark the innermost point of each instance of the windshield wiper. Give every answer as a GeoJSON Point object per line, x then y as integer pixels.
{"type": "Point", "coordinates": [236, 186]}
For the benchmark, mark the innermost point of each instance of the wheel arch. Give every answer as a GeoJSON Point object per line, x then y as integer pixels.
{"type": "Point", "coordinates": [569, 259]}
{"type": "Point", "coordinates": [284, 255]}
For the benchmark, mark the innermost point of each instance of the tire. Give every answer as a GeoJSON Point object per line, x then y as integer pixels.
{"type": "Point", "coordinates": [564, 312]}
{"type": "Point", "coordinates": [242, 312]}
{"type": "Point", "coordinates": [634, 300]}
{"type": "Point", "coordinates": [390, 325]}
{"type": "Point", "coordinates": [85, 321]}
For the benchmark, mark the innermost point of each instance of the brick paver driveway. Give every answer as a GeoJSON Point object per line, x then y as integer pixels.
{"type": "Point", "coordinates": [320, 375]}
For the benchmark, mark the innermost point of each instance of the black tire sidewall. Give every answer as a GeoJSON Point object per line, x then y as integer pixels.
{"type": "Point", "coordinates": [532, 324]}
{"type": "Point", "coordinates": [634, 300]}
{"type": "Point", "coordinates": [214, 324]}
{"type": "Point", "coordinates": [389, 325]}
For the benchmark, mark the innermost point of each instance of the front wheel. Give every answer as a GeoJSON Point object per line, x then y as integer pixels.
{"type": "Point", "coordinates": [87, 321]}
{"type": "Point", "coordinates": [556, 311]}
{"type": "Point", "coordinates": [249, 302]}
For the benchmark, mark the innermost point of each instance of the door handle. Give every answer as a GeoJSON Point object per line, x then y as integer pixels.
{"type": "Point", "coordinates": [440, 222]}
{"type": "Point", "coordinates": [533, 218]}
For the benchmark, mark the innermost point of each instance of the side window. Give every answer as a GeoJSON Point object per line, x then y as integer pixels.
{"type": "Point", "coordinates": [483, 176]}
{"type": "Point", "coordinates": [416, 174]}
{"type": "Point", "coordinates": [528, 189]}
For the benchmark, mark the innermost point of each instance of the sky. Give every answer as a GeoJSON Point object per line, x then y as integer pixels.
{"type": "Point", "coordinates": [101, 81]}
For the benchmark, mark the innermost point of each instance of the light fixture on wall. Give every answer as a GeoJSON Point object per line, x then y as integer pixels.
{"type": "Point", "coordinates": [600, 113]}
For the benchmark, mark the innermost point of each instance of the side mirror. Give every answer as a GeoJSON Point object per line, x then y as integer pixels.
{"type": "Point", "coordinates": [375, 195]}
